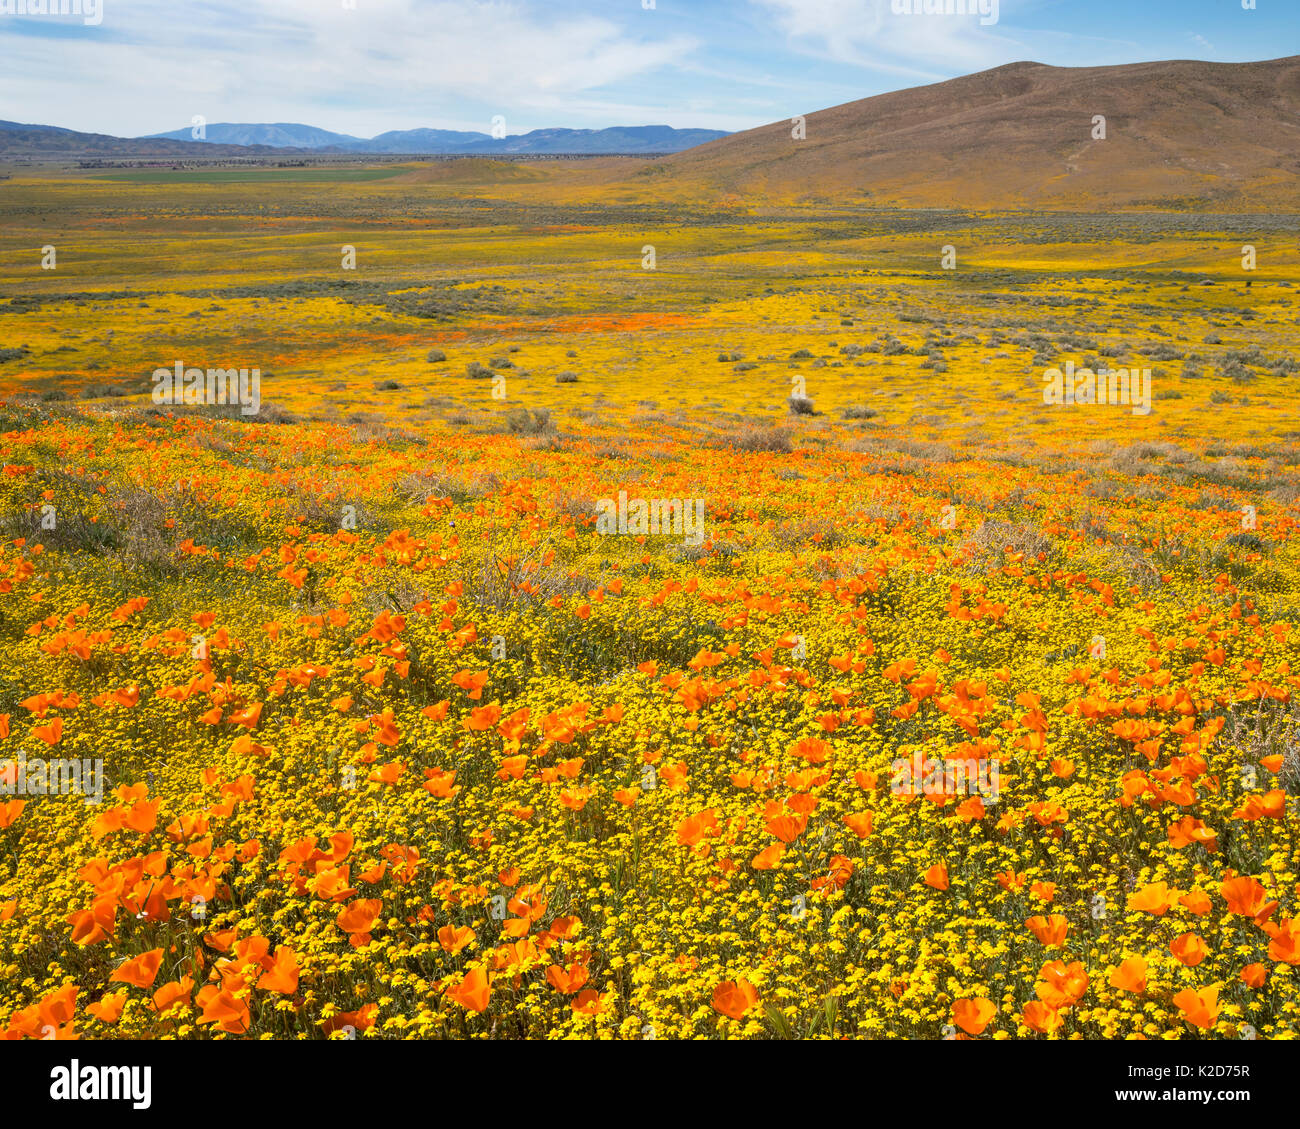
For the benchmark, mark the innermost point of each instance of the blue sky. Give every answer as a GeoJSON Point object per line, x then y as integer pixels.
{"type": "Point", "coordinates": [366, 66]}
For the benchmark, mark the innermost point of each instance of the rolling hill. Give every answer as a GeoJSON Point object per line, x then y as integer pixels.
{"type": "Point", "coordinates": [21, 140]}
{"type": "Point", "coordinates": [280, 135]}
{"type": "Point", "coordinates": [1177, 134]}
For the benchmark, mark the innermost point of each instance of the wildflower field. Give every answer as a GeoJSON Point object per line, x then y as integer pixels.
{"type": "Point", "coordinates": [402, 736]}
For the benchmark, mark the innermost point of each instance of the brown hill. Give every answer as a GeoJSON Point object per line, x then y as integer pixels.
{"type": "Point", "coordinates": [1178, 134]}
{"type": "Point", "coordinates": [18, 140]}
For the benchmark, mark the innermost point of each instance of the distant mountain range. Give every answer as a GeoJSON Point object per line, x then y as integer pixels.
{"type": "Point", "coordinates": [224, 138]}
{"type": "Point", "coordinates": [618, 139]}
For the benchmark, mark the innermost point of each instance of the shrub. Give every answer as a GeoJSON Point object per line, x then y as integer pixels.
{"type": "Point", "coordinates": [1251, 542]}
{"type": "Point", "coordinates": [775, 439]}
{"type": "Point", "coordinates": [522, 422]}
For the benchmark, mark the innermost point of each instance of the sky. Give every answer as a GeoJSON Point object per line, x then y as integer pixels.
{"type": "Point", "coordinates": [362, 67]}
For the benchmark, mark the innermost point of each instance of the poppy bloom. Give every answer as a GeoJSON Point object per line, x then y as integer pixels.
{"type": "Point", "coordinates": [1038, 1016]}
{"type": "Point", "coordinates": [937, 876]}
{"type": "Point", "coordinates": [454, 938]}
{"type": "Point", "coordinates": [360, 1020]}
{"type": "Point", "coordinates": [1189, 948]}
{"type": "Point", "coordinates": [282, 974]}
{"type": "Point", "coordinates": [108, 1008]}
{"type": "Point", "coordinates": [1254, 975]}
{"type": "Point", "coordinates": [1061, 985]}
{"type": "Point", "coordinates": [473, 992]}
{"type": "Point", "coordinates": [693, 828]}
{"type": "Point", "coordinates": [838, 875]}
{"type": "Point", "coordinates": [358, 918]}
{"type": "Point", "coordinates": [1285, 943]}
{"type": "Point", "coordinates": [1051, 930]}
{"type": "Point", "coordinates": [733, 998]}
{"type": "Point", "coordinates": [1245, 896]}
{"type": "Point", "coordinates": [567, 980]}
{"type": "Point", "coordinates": [787, 828]}
{"type": "Point", "coordinates": [1199, 1006]}
{"type": "Point", "coordinates": [51, 733]}
{"type": "Point", "coordinates": [140, 971]}
{"type": "Point", "coordinates": [225, 1009]}
{"type": "Point", "coordinates": [860, 823]}
{"type": "Point", "coordinates": [589, 1002]}
{"type": "Point", "coordinates": [972, 1016]}
{"type": "Point", "coordinates": [1130, 975]}
{"type": "Point", "coordinates": [172, 993]}
{"type": "Point", "coordinates": [1156, 898]}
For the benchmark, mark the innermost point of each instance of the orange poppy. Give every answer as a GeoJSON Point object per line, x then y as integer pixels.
{"type": "Point", "coordinates": [1189, 948]}
{"type": "Point", "coordinates": [108, 1008]}
{"type": "Point", "coordinates": [140, 971]}
{"type": "Point", "coordinates": [1130, 975]}
{"type": "Point", "coordinates": [454, 938]}
{"type": "Point", "coordinates": [567, 980]}
{"type": "Point", "coordinates": [358, 918]}
{"type": "Point", "coordinates": [282, 975]}
{"type": "Point", "coordinates": [733, 998]}
{"type": "Point", "coordinates": [972, 1016]}
{"type": "Point", "coordinates": [1199, 1006]}
{"type": "Point", "coordinates": [473, 991]}
{"type": "Point", "coordinates": [860, 823]}
{"type": "Point", "coordinates": [937, 876]}
{"type": "Point", "coordinates": [1051, 930]}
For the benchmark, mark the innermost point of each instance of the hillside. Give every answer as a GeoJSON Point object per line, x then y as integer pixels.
{"type": "Point", "coordinates": [1178, 133]}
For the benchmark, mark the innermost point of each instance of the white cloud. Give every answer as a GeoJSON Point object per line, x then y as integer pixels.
{"type": "Point", "coordinates": [867, 33]}
{"type": "Point", "coordinates": [385, 64]}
